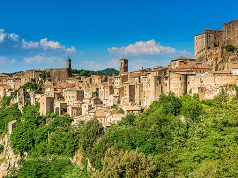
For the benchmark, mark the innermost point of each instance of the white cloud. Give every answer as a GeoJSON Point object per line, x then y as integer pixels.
{"type": "Point", "coordinates": [29, 44]}
{"type": "Point", "coordinates": [71, 49]}
{"type": "Point", "coordinates": [11, 36]}
{"type": "Point", "coordinates": [2, 35]}
{"type": "Point", "coordinates": [39, 59]}
{"type": "Point", "coordinates": [42, 44]}
{"type": "Point", "coordinates": [45, 44]}
{"type": "Point", "coordinates": [150, 47]}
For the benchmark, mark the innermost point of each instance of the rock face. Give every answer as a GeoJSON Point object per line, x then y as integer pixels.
{"type": "Point", "coordinates": [8, 159]}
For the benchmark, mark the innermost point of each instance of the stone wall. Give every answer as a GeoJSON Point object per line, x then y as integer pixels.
{"type": "Point", "coordinates": [58, 75]}
{"type": "Point", "coordinates": [178, 83]}
{"type": "Point", "coordinates": [207, 86]}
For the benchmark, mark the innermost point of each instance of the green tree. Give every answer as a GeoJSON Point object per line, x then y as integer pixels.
{"type": "Point", "coordinates": [8, 114]}
{"type": "Point", "coordinates": [191, 107]}
{"type": "Point", "coordinates": [170, 104]}
{"type": "Point", "coordinates": [89, 133]}
{"type": "Point", "coordinates": [119, 163]}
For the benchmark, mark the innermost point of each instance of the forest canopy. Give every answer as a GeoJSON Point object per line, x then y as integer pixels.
{"type": "Point", "coordinates": [174, 137]}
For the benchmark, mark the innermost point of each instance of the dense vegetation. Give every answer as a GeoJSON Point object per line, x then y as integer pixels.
{"type": "Point", "coordinates": [174, 137]}
{"type": "Point", "coordinates": [7, 113]}
{"type": "Point", "coordinates": [87, 73]}
{"type": "Point", "coordinates": [32, 86]}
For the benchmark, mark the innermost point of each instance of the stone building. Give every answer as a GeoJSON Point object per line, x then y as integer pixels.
{"type": "Point", "coordinates": [71, 96]}
{"type": "Point", "coordinates": [5, 90]}
{"type": "Point", "coordinates": [46, 105]}
{"type": "Point", "coordinates": [210, 46]}
{"type": "Point", "coordinates": [230, 33]}
{"type": "Point", "coordinates": [74, 111]}
{"type": "Point", "coordinates": [129, 93]}
{"type": "Point", "coordinates": [207, 41]}
{"type": "Point", "coordinates": [3, 79]}
{"type": "Point", "coordinates": [60, 107]}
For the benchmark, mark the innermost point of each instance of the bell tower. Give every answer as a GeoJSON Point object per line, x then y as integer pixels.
{"type": "Point", "coordinates": [68, 65]}
{"type": "Point", "coordinates": [123, 65]}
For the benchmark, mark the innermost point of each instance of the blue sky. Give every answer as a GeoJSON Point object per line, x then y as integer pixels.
{"type": "Point", "coordinates": [95, 34]}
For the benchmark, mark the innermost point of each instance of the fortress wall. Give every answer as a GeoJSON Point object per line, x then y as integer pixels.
{"type": "Point", "coordinates": [210, 85]}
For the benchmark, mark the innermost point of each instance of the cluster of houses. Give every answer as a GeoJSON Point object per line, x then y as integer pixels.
{"type": "Point", "coordinates": [110, 98]}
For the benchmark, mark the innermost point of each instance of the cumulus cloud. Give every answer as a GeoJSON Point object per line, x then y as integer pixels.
{"type": "Point", "coordinates": [13, 40]}
{"type": "Point", "coordinates": [13, 36]}
{"type": "Point", "coordinates": [29, 44]}
{"type": "Point", "coordinates": [45, 44]}
{"type": "Point", "coordinates": [10, 36]}
{"type": "Point", "coordinates": [42, 59]}
{"type": "Point", "coordinates": [2, 35]}
{"type": "Point", "coordinates": [139, 48]}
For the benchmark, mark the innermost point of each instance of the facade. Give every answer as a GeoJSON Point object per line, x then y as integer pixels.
{"type": "Point", "coordinates": [71, 96]}
{"type": "Point", "coordinates": [208, 40]}
{"type": "Point", "coordinates": [230, 33]}
{"type": "Point", "coordinates": [210, 47]}
{"type": "Point", "coordinates": [46, 105]}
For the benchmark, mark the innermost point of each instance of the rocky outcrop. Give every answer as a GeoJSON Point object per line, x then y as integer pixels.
{"type": "Point", "coordinates": [8, 159]}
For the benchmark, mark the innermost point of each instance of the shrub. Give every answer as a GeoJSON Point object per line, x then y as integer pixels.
{"type": "Point", "coordinates": [230, 48]}
{"type": "Point", "coordinates": [1, 148]}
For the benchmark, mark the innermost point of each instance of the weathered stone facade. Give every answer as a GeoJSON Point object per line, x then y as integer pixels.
{"type": "Point", "coordinates": [210, 47]}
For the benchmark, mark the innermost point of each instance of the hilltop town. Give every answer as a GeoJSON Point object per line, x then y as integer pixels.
{"type": "Point", "coordinates": [110, 98]}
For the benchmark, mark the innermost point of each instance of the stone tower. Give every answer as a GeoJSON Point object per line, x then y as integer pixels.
{"type": "Point", "coordinates": [123, 66]}
{"type": "Point", "coordinates": [68, 65]}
